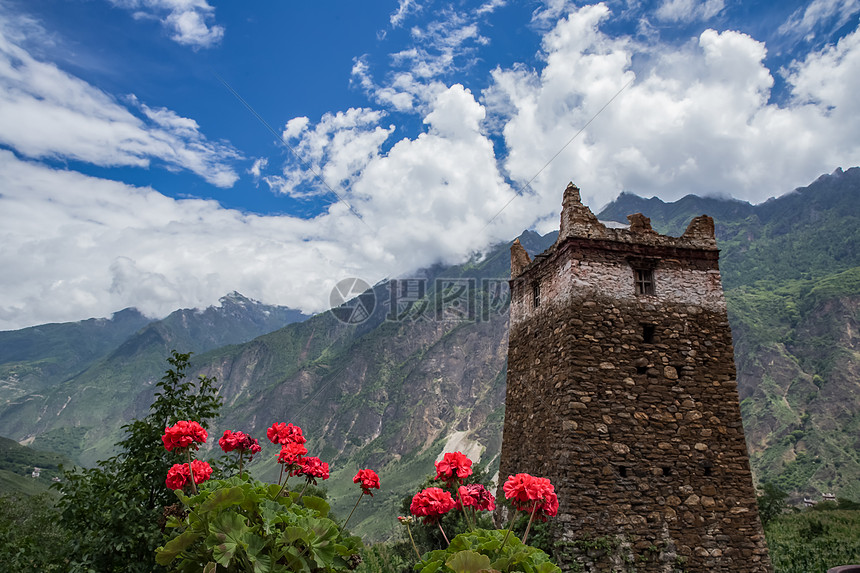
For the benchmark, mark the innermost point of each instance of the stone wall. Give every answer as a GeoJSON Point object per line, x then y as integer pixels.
{"type": "Point", "coordinates": [628, 403]}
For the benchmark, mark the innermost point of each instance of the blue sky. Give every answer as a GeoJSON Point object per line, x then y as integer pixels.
{"type": "Point", "coordinates": [132, 175]}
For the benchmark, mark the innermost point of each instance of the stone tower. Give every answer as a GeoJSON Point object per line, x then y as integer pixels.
{"type": "Point", "coordinates": [621, 389]}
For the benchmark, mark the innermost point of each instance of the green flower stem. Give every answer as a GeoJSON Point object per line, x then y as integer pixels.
{"type": "Point", "coordinates": [439, 523]}
{"type": "Point", "coordinates": [353, 510]}
{"type": "Point", "coordinates": [531, 519]}
{"type": "Point", "coordinates": [510, 527]}
{"type": "Point", "coordinates": [307, 483]}
{"type": "Point", "coordinates": [412, 539]}
{"type": "Point", "coordinates": [465, 511]}
{"type": "Point", "coordinates": [241, 452]}
{"type": "Point", "coordinates": [190, 471]}
{"type": "Point", "coordinates": [283, 487]}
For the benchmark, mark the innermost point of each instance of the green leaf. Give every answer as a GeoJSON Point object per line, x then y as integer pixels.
{"type": "Point", "coordinates": [547, 567]}
{"type": "Point", "coordinates": [226, 536]}
{"type": "Point", "coordinates": [222, 499]}
{"type": "Point", "coordinates": [293, 533]}
{"type": "Point", "coordinates": [468, 562]}
{"type": "Point", "coordinates": [429, 566]}
{"type": "Point", "coordinates": [316, 503]}
{"type": "Point", "coordinates": [210, 567]}
{"type": "Point", "coordinates": [164, 555]}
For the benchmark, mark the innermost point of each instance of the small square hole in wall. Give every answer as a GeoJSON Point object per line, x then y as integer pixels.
{"type": "Point", "coordinates": [708, 471]}
{"type": "Point", "coordinates": [648, 331]}
{"type": "Point", "coordinates": [622, 471]}
{"type": "Point", "coordinates": [667, 471]}
{"type": "Point", "coordinates": [641, 369]}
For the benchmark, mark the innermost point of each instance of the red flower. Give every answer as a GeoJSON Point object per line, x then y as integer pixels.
{"type": "Point", "coordinates": [432, 503]}
{"type": "Point", "coordinates": [312, 467]}
{"type": "Point", "coordinates": [368, 479]}
{"type": "Point", "coordinates": [202, 471]}
{"type": "Point", "coordinates": [453, 466]}
{"type": "Point", "coordinates": [475, 495]}
{"type": "Point", "coordinates": [285, 434]}
{"type": "Point", "coordinates": [239, 441]}
{"type": "Point", "coordinates": [178, 475]}
{"type": "Point", "coordinates": [183, 434]}
{"type": "Point", "coordinates": [524, 491]}
{"type": "Point", "coordinates": [291, 454]}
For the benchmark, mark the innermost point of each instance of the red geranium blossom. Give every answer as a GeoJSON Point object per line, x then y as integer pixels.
{"type": "Point", "coordinates": [454, 465]}
{"type": "Point", "coordinates": [285, 434]}
{"type": "Point", "coordinates": [183, 434]}
{"type": "Point", "coordinates": [475, 495]}
{"type": "Point", "coordinates": [432, 503]}
{"type": "Point", "coordinates": [178, 475]}
{"type": "Point", "coordinates": [524, 491]}
{"type": "Point", "coordinates": [368, 479]}
{"type": "Point", "coordinates": [292, 453]}
{"type": "Point", "coordinates": [312, 468]}
{"type": "Point", "coordinates": [239, 441]}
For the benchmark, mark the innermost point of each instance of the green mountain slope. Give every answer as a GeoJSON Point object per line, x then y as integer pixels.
{"type": "Point", "coordinates": [35, 358]}
{"type": "Point", "coordinates": [17, 465]}
{"type": "Point", "coordinates": [81, 416]}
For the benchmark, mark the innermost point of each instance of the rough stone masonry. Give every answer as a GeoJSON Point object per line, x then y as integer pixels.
{"type": "Point", "coordinates": [621, 389]}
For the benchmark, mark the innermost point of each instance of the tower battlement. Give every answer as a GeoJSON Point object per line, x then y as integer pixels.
{"type": "Point", "coordinates": [621, 389]}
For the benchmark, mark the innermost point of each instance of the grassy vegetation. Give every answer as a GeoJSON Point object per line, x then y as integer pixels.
{"type": "Point", "coordinates": [812, 541]}
{"type": "Point", "coordinates": [16, 468]}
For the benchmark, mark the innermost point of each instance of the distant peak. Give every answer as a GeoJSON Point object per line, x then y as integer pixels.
{"type": "Point", "coordinates": [235, 297]}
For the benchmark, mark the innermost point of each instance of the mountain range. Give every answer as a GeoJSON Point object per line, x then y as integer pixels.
{"type": "Point", "coordinates": [422, 368]}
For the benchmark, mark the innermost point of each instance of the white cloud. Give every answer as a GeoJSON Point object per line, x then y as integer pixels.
{"type": "Point", "coordinates": [805, 21]}
{"type": "Point", "coordinates": [689, 10]}
{"type": "Point", "coordinates": [404, 7]}
{"type": "Point", "coordinates": [48, 113]}
{"type": "Point", "coordinates": [697, 119]}
{"type": "Point", "coordinates": [187, 20]}
{"type": "Point", "coordinates": [336, 150]}
{"type": "Point", "coordinates": [74, 246]}
{"type": "Point", "coordinates": [445, 45]}
{"type": "Point", "coordinates": [258, 166]}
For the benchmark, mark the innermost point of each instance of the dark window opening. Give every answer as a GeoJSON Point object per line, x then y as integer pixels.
{"type": "Point", "coordinates": [708, 470]}
{"type": "Point", "coordinates": [536, 294]}
{"type": "Point", "coordinates": [648, 331]}
{"type": "Point", "coordinates": [667, 471]}
{"type": "Point", "coordinates": [641, 369]}
{"type": "Point", "coordinates": [644, 281]}
{"type": "Point", "coordinates": [622, 471]}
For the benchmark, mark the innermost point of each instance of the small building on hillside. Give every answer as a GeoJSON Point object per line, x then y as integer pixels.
{"type": "Point", "coordinates": [621, 389]}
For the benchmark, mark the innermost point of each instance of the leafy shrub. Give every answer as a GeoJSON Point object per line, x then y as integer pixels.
{"type": "Point", "coordinates": [114, 509]}
{"type": "Point", "coordinates": [240, 524]}
{"type": "Point", "coordinates": [486, 549]}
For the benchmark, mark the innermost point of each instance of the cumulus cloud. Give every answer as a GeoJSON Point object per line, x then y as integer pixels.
{"type": "Point", "coordinates": [75, 246]}
{"type": "Point", "coordinates": [48, 113]}
{"type": "Point", "coordinates": [332, 154]}
{"type": "Point", "coordinates": [697, 119]}
{"type": "Point", "coordinates": [187, 20]}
